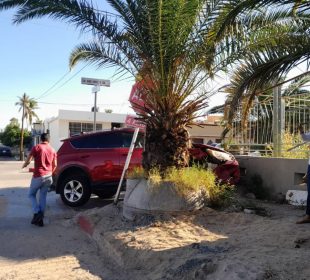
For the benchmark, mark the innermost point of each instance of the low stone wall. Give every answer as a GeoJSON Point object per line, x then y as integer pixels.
{"type": "Point", "coordinates": [278, 174]}
{"type": "Point", "coordinates": [142, 198]}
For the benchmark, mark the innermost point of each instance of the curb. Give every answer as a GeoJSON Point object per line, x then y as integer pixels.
{"type": "Point", "coordinates": [85, 225]}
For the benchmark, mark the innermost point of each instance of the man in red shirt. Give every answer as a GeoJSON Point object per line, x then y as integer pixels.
{"type": "Point", "coordinates": [45, 162]}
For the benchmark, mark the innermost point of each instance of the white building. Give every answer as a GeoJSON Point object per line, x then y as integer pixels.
{"type": "Point", "coordinates": [69, 122]}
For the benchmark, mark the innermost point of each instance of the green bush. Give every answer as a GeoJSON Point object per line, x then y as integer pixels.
{"type": "Point", "coordinates": [136, 172]}
{"type": "Point", "coordinates": [193, 179]}
{"type": "Point", "coordinates": [289, 141]}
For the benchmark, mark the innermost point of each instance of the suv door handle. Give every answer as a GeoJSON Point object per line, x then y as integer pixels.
{"type": "Point", "coordinates": [86, 156]}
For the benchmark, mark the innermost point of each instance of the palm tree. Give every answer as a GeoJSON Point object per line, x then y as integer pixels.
{"type": "Point", "coordinates": [174, 46]}
{"type": "Point", "coordinates": [27, 105]}
{"type": "Point", "coordinates": [277, 40]}
{"type": "Point", "coordinates": [168, 45]}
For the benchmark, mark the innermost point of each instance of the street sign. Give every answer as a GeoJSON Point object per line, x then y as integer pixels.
{"type": "Point", "coordinates": [132, 122]}
{"type": "Point", "coordinates": [137, 97]}
{"type": "Point", "coordinates": [95, 82]}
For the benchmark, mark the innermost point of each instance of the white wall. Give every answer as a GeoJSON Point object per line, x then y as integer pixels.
{"type": "Point", "coordinates": [53, 127]}
{"type": "Point", "coordinates": [59, 126]}
{"type": "Point", "coordinates": [278, 174]}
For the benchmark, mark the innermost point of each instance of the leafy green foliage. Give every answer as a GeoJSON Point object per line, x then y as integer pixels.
{"type": "Point", "coordinates": [194, 179]}
{"type": "Point", "coordinates": [289, 141]}
{"type": "Point", "coordinates": [11, 135]}
{"type": "Point", "coordinates": [168, 45]}
{"type": "Point", "coordinates": [136, 172]}
{"type": "Point", "coordinates": [272, 38]}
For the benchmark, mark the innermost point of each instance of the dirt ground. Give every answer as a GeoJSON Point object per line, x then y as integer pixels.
{"type": "Point", "coordinates": [208, 244]}
{"type": "Point", "coordinates": [56, 251]}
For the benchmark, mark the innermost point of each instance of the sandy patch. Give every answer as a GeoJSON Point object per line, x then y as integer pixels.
{"type": "Point", "coordinates": [207, 244]}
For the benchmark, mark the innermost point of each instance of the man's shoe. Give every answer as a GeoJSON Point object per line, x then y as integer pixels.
{"type": "Point", "coordinates": [40, 223]}
{"type": "Point", "coordinates": [40, 215]}
{"type": "Point", "coordinates": [34, 219]}
{"type": "Point", "coordinates": [39, 219]}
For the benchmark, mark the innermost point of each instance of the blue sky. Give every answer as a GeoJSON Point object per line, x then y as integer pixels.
{"type": "Point", "coordinates": [34, 56]}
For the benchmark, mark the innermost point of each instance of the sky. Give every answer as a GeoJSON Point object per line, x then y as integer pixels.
{"type": "Point", "coordinates": [34, 60]}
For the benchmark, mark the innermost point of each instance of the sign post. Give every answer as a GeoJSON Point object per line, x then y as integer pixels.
{"type": "Point", "coordinates": [96, 83]}
{"type": "Point", "coordinates": [132, 145]}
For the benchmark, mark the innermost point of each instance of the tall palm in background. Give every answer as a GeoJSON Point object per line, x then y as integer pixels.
{"type": "Point", "coordinates": [169, 45]}
{"type": "Point", "coordinates": [27, 105]}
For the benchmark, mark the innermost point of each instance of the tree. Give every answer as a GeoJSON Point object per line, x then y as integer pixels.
{"type": "Point", "coordinates": [27, 105]}
{"type": "Point", "coordinates": [169, 46]}
{"type": "Point", "coordinates": [277, 40]}
{"type": "Point", "coordinates": [11, 134]}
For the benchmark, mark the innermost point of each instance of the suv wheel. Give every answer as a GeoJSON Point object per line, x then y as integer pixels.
{"type": "Point", "coordinates": [75, 190]}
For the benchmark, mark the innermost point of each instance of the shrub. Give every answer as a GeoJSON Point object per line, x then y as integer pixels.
{"type": "Point", "coordinates": [136, 172]}
{"type": "Point", "coordinates": [289, 141]}
{"type": "Point", "coordinates": [194, 179]}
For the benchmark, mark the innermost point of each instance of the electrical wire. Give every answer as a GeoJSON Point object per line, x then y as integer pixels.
{"type": "Point", "coordinates": [45, 93]}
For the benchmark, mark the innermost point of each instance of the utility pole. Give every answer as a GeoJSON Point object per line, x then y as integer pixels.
{"type": "Point", "coordinates": [95, 89]}
{"type": "Point", "coordinates": [278, 121]}
{"type": "Point", "coordinates": [96, 83]}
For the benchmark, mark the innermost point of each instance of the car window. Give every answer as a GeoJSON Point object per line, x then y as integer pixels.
{"type": "Point", "coordinates": [98, 141]}
{"type": "Point", "coordinates": [127, 138]}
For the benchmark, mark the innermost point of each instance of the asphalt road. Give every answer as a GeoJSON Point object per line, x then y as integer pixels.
{"type": "Point", "coordinates": [14, 202]}
{"type": "Point", "coordinates": [59, 250]}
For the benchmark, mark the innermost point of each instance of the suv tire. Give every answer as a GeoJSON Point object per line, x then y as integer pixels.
{"type": "Point", "coordinates": [75, 190]}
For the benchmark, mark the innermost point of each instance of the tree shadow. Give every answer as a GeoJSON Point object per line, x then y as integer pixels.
{"type": "Point", "coordinates": [59, 238]}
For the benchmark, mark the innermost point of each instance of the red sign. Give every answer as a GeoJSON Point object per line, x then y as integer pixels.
{"type": "Point", "coordinates": [137, 97]}
{"type": "Point", "coordinates": [133, 122]}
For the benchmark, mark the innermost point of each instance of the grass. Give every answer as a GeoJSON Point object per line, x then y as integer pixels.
{"type": "Point", "coordinates": [136, 172]}
{"type": "Point", "coordinates": [188, 180]}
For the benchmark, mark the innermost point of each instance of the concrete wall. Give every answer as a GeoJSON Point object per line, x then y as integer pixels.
{"type": "Point", "coordinates": [278, 174]}
{"type": "Point", "coordinates": [53, 127]}
{"type": "Point", "coordinates": [206, 131]}
{"type": "Point", "coordinates": [85, 116]}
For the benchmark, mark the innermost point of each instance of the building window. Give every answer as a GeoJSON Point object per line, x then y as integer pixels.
{"type": "Point", "coordinates": [197, 140]}
{"type": "Point", "coordinates": [116, 125]}
{"type": "Point", "coordinates": [78, 128]}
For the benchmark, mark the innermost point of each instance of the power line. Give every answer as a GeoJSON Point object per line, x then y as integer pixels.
{"type": "Point", "coordinates": [44, 94]}
{"type": "Point", "coordinates": [84, 104]}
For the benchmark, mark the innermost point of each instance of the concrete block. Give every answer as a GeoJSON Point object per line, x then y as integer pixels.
{"type": "Point", "coordinates": [297, 197]}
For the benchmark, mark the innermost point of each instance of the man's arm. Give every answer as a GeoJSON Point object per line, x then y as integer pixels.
{"type": "Point", "coordinates": [28, 160]}
{"type": "Point", "coordinates": [54, 164]}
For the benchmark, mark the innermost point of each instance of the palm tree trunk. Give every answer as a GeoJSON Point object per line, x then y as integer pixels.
{"type": "Point", "coordinates": [165, 148]}
{"type": "Point", "coordinates": [21, 146]}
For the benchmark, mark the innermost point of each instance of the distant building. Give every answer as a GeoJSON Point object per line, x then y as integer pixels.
{"type": "Point", "coordinates": [69, 122]}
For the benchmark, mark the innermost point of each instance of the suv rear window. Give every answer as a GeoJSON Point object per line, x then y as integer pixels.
{"type": "Point", "coordinates": [127, 138]}
{"type": "Point", "coordinates": [99, 141]}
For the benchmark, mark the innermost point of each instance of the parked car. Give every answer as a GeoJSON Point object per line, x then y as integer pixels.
{"type": "Point", "coordinates": [217, 145]}
{"type": "Point", "coordinates": [5, 151]}
{"type": "Point", "coordinates": [93, 163]}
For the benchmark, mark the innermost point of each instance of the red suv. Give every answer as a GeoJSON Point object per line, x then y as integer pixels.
{"type": "Point", "coordinates": [93, 163]}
